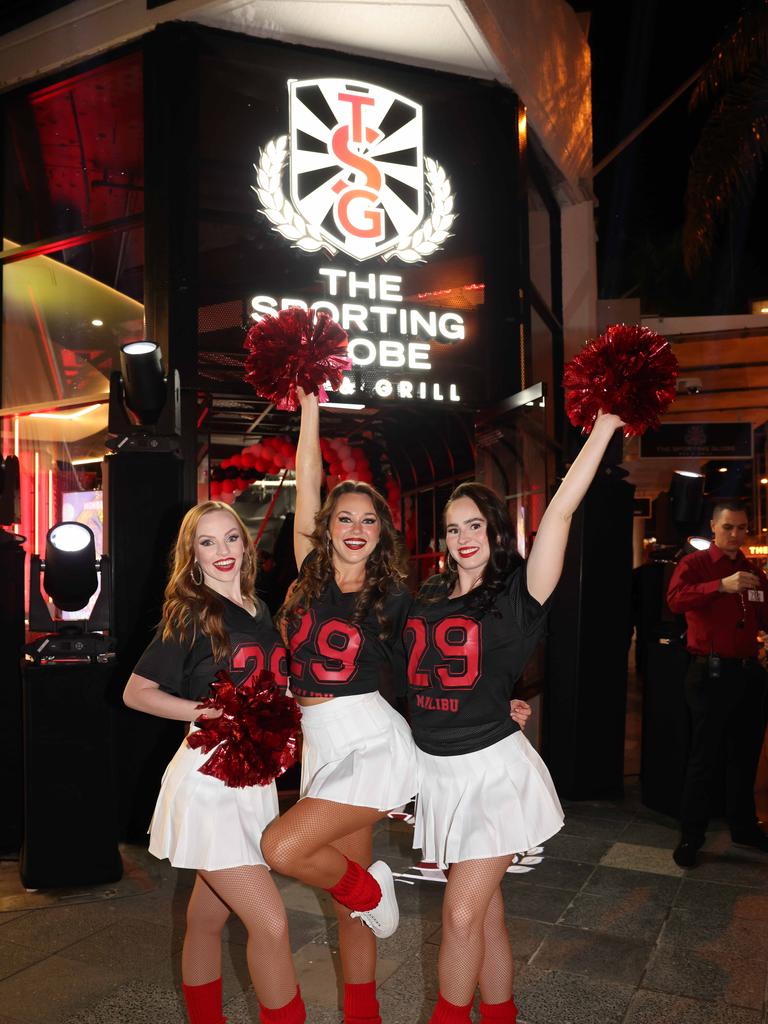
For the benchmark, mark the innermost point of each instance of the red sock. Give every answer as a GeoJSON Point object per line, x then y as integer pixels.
{"type": "Point", "coordinates": [292, 1013]}
{"type": "Point", "coordinates": [204, 1003]}
{"type": "Point", "coordinates": [356, 889]}
{"type": "Point", "coordinates": [360, 1004]}
{"type": "Point", "coordinates": [504, 1012]}
{"type": "Point", "coordinates": [450, 1013]}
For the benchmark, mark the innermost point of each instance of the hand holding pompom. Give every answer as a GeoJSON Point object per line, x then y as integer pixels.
{"type": "Point", "coordinates": [256, 735]}
{"type": "Point", "coordinates": [298, 348]}
{"type": "Point", "coordinates": [629, 371]}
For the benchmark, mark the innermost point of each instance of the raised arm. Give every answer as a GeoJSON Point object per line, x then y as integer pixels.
{"type": "Point", "coordinates": [545, 563]}
{"type": "Point", "coordinates": [309, 476]}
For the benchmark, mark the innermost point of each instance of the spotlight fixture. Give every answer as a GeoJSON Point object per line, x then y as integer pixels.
{"type": "Point", "coordinates": [70, 575]}
{"type": "Point", "coordinates": [686, 497]}
{"type": "Point", "coordinates": [141, 364]}
{"type": "Point", "coordinates": [144, 403]}
{"type": "Point", "coordinates": [698, 543]}
{"type": "Point", "coordinates": [69, 570]}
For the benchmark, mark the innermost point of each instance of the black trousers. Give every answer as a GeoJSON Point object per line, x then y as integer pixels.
{"type": "Point", "coordinates": [727, 714]}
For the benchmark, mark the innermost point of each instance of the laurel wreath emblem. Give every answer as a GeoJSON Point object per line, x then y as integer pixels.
{"type": "Point", "coordinates": [430, 235]}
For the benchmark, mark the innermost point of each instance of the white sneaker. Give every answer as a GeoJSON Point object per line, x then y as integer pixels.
{"type": "Point", "coordinates": [384, 918]}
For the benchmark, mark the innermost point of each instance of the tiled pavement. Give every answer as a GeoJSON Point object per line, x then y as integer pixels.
{"type": "Point", "coordinates": [606, 929]}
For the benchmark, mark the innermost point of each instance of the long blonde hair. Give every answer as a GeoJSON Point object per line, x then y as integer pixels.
{"type": "Point", "coordinates": [187, 607]}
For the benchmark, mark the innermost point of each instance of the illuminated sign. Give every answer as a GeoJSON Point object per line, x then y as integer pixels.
{"type": "Point", "coordinates": [392, 346]}
{"type": "Point", "coordinates": [758, 549]}
{"type": "Point", "coordinates": [358, 176]}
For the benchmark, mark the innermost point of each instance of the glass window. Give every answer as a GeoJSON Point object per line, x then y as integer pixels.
{"type": "Point", "coordinates": [63, 326]}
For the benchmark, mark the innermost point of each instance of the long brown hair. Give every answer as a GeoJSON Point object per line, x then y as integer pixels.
{"type": "Point", "coordinates": [504, 558]}
{"type": "Point", "coordinates": [386, 566]}
{"type": "Point", "coordinates": [187, 607]}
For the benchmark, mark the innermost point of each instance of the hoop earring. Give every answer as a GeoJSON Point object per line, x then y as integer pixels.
{"type": "Point", "coordinates": [197, 582]}
{"type": "Point", "coordinates": [450, 562]}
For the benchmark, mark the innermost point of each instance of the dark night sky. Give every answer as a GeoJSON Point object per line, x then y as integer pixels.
{"type": "Point", "coordinates": [642, 51]}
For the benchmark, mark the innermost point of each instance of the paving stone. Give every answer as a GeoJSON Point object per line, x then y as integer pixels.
{"type": "Point", "coordinates": [733, 867]}
{"type": "Point", "coordinates": [653, 859]}
{"type": "Point", "coordinates": [715, 928]}
{"type": "Point", "coordinates": [15, 958]}
{"type": "Point", "coordinates": [416, 980]}
{"type": "Point", "coordinates": [555, 997]}
{"type": "Point", "coordinates": [134, 1003]}
{"type": "Point", "coordinates": [53, 928]}
{"type": "Point", "coordinates": [559, 874]}
{"type": "Point", "coordinates": [594, 955]}
{"type": "Point", "coordinates": [579, 848]}
{"type": "Point", "coordinates": [633, 916]}
{"type": "Point", "coordinates": [526, 936]}
{"type": "Point", "coordinates": [610, 881]}
{"type": "Point", "coordinates": [422, 899]}
{"type": "Point", "coordinates": [407, 941]}
{"type": "Point", "coordinates": [701, 974]}
{"type": "Point", "coordinates": [594, 828]}
{"type": "Point", "coordinates": [609, 810]}
{"type": "Point", "coordinates": [657, 1008]}
{"type": "Point", "coordinates": [319, 974]}
{"type": "Point", "coordinates": [537, 902]}
{"type": "Point", "coordinates": [739, 900]}
{"type": "Point", "coordinates": [49, 991]}
{"type": "Point", "coordinates": [651, 833]}
{"type": "Point", "coordinates": [308, 900]}
{"type": "Point", "coordinates": [126, 946]}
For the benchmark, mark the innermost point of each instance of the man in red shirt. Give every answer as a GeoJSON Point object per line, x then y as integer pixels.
{"type": "Point", "coordinates": [725, 603]}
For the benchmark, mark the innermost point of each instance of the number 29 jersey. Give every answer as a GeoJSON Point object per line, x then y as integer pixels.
{"type": "Point", "coordinates": [463, 664]}
{"type": "Point", "coordinates": [331, 656]}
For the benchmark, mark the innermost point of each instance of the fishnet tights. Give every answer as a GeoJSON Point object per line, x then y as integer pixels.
{"type": "Point", "coordinates": [251, 894]}
{"type": "Point", "coordinates": [357, 944]}
{"type": "Point", "coordinates": [302, 843]}
{"type": "Point", "coordinates": [475, 944]}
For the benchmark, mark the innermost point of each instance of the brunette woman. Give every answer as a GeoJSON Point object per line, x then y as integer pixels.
{"type": "Point", "coordinates": [344, 621]}
{"type": "Point", "coordinates": [213, 620]}
{"type": "Point", "coordinates": [484, 793]}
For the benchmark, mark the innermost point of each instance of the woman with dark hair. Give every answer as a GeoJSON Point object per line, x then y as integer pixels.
{"type": "Point", "coordinates": [484, 792]}
{"type": "Point", "coordinates": [344, 620]}
{"type": "Point", "coordinates": [212, 620]}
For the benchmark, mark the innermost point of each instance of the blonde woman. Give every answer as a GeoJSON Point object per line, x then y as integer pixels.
{"type": "Point", "coordinates": [213, 620]}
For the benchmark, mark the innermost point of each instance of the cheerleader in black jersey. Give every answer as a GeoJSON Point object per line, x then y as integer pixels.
{"type": "Point", "coordinates": [213, 620]}
{"type": "Point", "coordinates": [344, 620]}
{"type": "Point", "coordinates": [484, 793]}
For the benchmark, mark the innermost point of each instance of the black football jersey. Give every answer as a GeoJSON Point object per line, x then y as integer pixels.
{"type": "Point", "coordinates": [188, 669]}
{"type": "Point", "coordinates": [331, 656]}
{"type": "Point", "coordinates": [463, 664]}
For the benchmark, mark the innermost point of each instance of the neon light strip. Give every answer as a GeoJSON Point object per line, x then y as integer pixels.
{"type": "Point", "coordinates": [87, 462]}
{"type": "Point", "coordinates": [37, 504]}
{"type": "Point", "coordinates": [50, 498]}
{"type": "Point", "coordinates": [66, 415]}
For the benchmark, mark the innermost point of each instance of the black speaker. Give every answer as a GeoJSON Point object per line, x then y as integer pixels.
{"type": "Point", "coordinates": [590, 628]}
{"type": "Point", "coordinates": [11, 643]}
{"type": "Point", "coordinates": [143, 508]}
{"type": "Point", "coordinates": [70, 812]}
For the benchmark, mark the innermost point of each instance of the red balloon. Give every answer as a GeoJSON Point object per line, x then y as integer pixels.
{"type": "Point", "coordinates": [215, 488]}
{"type": "Point", "coordinates": [227, 486]}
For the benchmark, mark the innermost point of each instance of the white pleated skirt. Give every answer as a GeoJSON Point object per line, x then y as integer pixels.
{"type": "Point", "coordinates": [357, 751]}
{"type": "Point", "coordinates": [201, 823]}
{"type": "Point", "coordinates": [492, 802]}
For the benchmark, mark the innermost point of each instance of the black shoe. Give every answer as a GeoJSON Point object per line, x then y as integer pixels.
{"type": "Point", "coordinates": [684, 854]}
{"type": "Point", "coordinates": [756, 839]}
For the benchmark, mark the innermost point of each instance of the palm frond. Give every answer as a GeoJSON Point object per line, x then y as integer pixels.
{"type": "Point", "coordinates": [725, 162]}
{"type": "Point", "coordinates": [744, 47]}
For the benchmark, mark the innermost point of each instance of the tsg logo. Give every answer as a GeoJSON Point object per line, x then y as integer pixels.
{"type": "Point", "coordinates": [358, 175]}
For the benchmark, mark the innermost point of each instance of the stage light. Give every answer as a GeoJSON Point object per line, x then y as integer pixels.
{"type": "Point", "coordinates": [69, 569]}
{"type": "Point", "coordinates": [723, 469]}
{"type": "Point", "coordinates": [97, 323]}
{"type": "Point", "coordinates": [698, 543]}
{"type": "Point", "coordinates": [144, 381]}
{"type": "Point", "coordinates": [764, 480]}
{"type": "Point", "coordinates": [686, 497]}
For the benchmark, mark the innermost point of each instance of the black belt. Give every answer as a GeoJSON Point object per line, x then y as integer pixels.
{"type": "Point", "coordinates": [740, 662]}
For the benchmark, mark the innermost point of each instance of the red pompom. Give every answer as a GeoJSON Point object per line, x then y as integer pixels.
{"type": "Point", "coordinates": [255, 737]}
{"type": "Point", "coordinates": [629, 371]}
{"type": "Point", "coordinates": [296, 348]}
